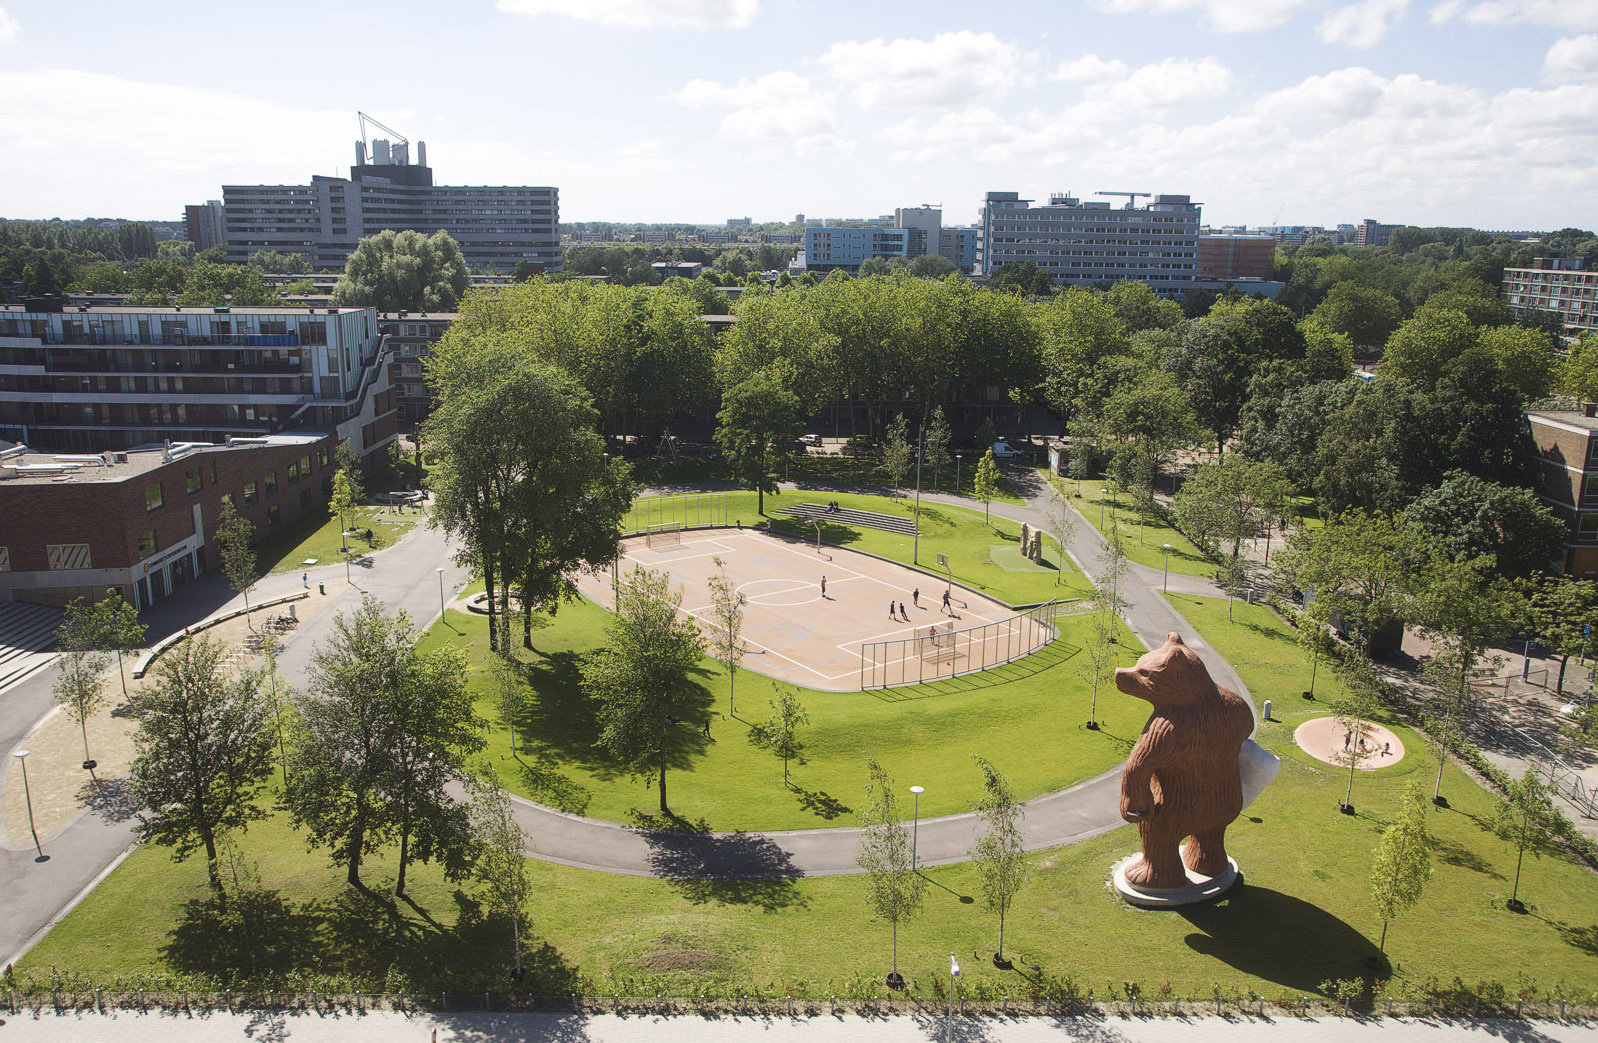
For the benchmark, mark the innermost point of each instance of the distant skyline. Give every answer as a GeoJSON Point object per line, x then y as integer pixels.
{"type": "Point", "coordinates": [1428, 112]}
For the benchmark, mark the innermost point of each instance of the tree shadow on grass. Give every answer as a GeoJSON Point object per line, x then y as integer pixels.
{"type": "Point", "coordinates": [821, 803]}
{"type": "Point", "coordinates": [1459, 855]}
{"type": "Point", "coordinates": [545, 784]}
{"type": "Point", "coordinates": [1277, 937]}
{"type": "Point", "coordinates": [726, 869]}
{"type": "Point", "coordinates": [111, 799]}
{"type": "Point", "coordinates": [1580, 936]}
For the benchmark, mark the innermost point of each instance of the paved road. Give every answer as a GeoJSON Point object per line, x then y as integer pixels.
{"type": "Point", "coordinates": [388, 1027]}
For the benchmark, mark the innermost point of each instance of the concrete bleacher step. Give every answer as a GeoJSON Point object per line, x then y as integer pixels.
{"type": "Point", "coordinates": [851, 516]}
{"type": "Point", "coordinates": [27, 633]}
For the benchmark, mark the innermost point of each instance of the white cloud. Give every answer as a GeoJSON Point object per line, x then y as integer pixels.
{"type": "Point", "coordinates": [1573, 59]}
{"type": "Point", "coordinates": [1164, 85]}
{"type": "Point", "coordinates": [643, 14]}
{"type": "Point", "coordinates": [8, 28]}
{"type": "Point", "coordinates": [1497, 14]}
{"type": "Point", "coordinates": [1360, 25]}
{"type": "Point", "coordinates": [1224, 16]}
{"type": "Point", "coordinates": [1341, 95]}
{"type": "Point", "coordinates": [1088, 68]}
{"type": "Point", "coordinates": [949, 69]}
{"type": "Point", "coordinates": [779, 105]}
{"type": "Point", "coordinates": [648, 148]}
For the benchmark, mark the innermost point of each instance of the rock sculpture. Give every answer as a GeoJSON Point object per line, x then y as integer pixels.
{"type": "Point", "coordinates": [1183, 778]}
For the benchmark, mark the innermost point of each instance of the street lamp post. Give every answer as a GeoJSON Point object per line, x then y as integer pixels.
{"type": "Point", "coordinates": [948, 1023]}
{"type": "Point", "coordinates": [440, 571]}
{"type": "Point", "coordinates": [957, 459]}
{"type": "Point", "coordinates": [1165, 585]}
{"type": "Point", "coordinates": [915, 829]}
{"type": "Point", "coordinates": [22, 758]}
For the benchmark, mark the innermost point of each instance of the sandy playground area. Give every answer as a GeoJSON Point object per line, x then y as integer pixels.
{"type": "Point", "coordinates": [1327, 739]}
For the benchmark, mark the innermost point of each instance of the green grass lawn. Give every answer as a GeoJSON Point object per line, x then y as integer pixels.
{"type": "Point", "coordinates": [316, 535]}
{"type": "Point", "coordinates": [957, 532]}
{"type": "Point", "coordinates": [724, 782]}
{"type": "Point", "coordinates": [1262, 649]}
{"type": "Point", "coordinates": [1143, 534]}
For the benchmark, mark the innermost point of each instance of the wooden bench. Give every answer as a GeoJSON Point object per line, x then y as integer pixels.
{"type": "Point", "coordinates": [850, 516]}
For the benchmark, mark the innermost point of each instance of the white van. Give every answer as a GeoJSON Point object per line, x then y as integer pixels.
{"type": "Point", "coordinates": [1002, 450]}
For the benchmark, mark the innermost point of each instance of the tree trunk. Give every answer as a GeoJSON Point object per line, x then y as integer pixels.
{"type": "Point", "coordinates": [1520, 857]}
{"type": "Point", "coordinates": [1001, 932]}
{"type": "Point", "coordinates": [1381, 947]}
{"type": "Point", "coordinates": [83, 724]}
{"type": "Point", "coordinates": [357, 840]}
{"type": "Point", "coordinates": [663, 809]}
{"type": "Point", "coordinates": [211, 869]}
{"type": "Point", "coordinates": [404, 857]}
{"type": "Point", "coordinates": [488, 587]}
{"type": "Point", "coordinates": [1559, 687]}
{"type": "Point", "coordinates": [896, 946]}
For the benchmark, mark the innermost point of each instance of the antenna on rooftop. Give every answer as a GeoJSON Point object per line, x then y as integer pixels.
{"type": "Point", "coordinates": [1131, 203]}
{"type": "Point", "coordinates": [399, 146]}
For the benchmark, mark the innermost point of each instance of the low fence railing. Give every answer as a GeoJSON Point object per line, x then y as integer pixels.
{"type": "Point", "coordinates": [939, 654]}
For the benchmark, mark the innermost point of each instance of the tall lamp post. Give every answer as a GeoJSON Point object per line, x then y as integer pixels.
{"type": "Point", "coordinates": [440, 571]}
{"type": "Point", "coordinates": [957, 459]}
{"type": "Point", "coordinates": [948, 1023]}
{"type": "Point", "coordinates": [1165, 585]}
{"type": "Point", "coordinates": [22, 758]}
{"type": "Point", "coordinates": [915, 828]}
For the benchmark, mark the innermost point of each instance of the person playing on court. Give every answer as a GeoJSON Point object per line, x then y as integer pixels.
{"type": "Point", "coordinates": [915, 597]}
{"type": "Point", "coordinates": [823, 586]}
{"type": "Point", "coordinates": [946, 601]}
{"type": "Point", "coordinates": [902, 613]}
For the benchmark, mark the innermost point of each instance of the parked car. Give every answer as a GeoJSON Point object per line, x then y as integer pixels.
{"type": "Point", "coordinates": [810, 439]}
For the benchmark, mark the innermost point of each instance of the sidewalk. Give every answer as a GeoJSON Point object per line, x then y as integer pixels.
{"type": "Point", "coordinates": [390, 1027]}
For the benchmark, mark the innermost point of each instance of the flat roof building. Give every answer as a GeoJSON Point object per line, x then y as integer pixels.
{"type": "Point", "coordinates": [1236, 257]}
{"type": "Point", "coordinates": [1557, 287]}
{"type": "Point", "coordinates": [90, 379]}
{"type": "Point", "coordinates": [497, 227]}
{"type": "Point", "coordinates": [1079, 243]}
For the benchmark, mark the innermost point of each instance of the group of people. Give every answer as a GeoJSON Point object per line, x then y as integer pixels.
{"type": "Point", "coordinates": [1364, 746]}
{"type": "Point", "coordinates": [832, 507]}
{"type": "Point", "coordinates": [896, 609]}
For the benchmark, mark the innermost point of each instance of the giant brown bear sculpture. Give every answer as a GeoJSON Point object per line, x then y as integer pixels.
{"type": "Point", "coordinates": [1182, 778]}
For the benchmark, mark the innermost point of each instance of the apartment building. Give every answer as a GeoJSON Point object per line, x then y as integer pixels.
{"type": "Point", "coordinates": [1373, 233]}
{"type": "Point", "coordinates": [830, 247]}
{"type": "Point", "coordinates": [88, 379]}
{"type": "Point", "coordinates": [410, 336]}
{"type": "Point", "coordinates": [1565, 475]}
{"type": "Point", "coordinates": [1557, 286]}
{"type": "Point", "coordinates": [1236, 256]}
{"type": "Point", "coordinates": [497, 227]}
{"type": "Point", "coordinates": [1082, 243]}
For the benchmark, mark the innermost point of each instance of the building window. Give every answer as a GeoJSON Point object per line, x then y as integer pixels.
{"type": "Point", "coordinates": [321, 457]}
{"type": "Point", "coordinates": [274, 515]}
{"type": "Point", "coordinates": [146, 544]}
{"type": "Point", "coordinates": [305, 465]}
{"type": "Point", "coordinates": [294, 471]}
{"type": "Point", "coordinates": [192, 480]}
{"type": "Point", "coordinates": [249, 493]}
{"type": "Point", "coordinates": [1587, 527]}
{"type": "Point", "coordinates": [152, 496]}
{"type": "Point", "coordinates": [270, 482]}
{"type": "Point", "coordinates": [5, 559]}
{"type": "Point", "coordinates": [68, 556]}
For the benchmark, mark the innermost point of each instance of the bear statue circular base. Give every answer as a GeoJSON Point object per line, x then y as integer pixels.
{"type": "Point", "coordinates": [1199, 888]}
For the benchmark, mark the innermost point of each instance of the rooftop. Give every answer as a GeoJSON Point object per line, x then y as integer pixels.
{"type": "Point", "coordinates": [1572, 418]}
{"type": "Point", "coordinates": [20, 465]}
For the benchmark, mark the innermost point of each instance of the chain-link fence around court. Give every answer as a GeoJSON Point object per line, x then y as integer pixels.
{"type": "Point", "coordinates": [939, 652]}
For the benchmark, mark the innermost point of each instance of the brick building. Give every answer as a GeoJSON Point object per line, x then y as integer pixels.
{"type": "Point", "coordinates": [144, 522]}
{"type": "Point", "coordinates": [1236, 257]}
{"type": "Point", "coordinates": [1565, 469]}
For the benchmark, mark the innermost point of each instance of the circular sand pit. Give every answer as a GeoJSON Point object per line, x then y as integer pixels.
{"type": "Point", "coordinates": [1328, 739]}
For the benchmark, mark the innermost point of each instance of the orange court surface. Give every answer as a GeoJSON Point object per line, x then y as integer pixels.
{"type": "Point", "coordinates": [807, 612]}
{"type": "Point", "coordinates": [1327, 739]}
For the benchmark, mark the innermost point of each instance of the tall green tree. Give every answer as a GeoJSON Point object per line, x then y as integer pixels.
{"type": "Point", "coordinates": [1368, 316]}
{"type": "Point", "coordinates": [1353, 710]}
{"type": "Point", "coordinates": [79, 687]}
{"type": "Point", "coordinates": [727, 621]}
{"type": "Point", "coordinates": [986, 481]}
{"type": "Point", "coordinates": [1402, 865]}
{"type": "Point", "coordinates": [898, 454]}
{"type": "Point", "coordinates": [403, 271]}
{"type": "Point", "coordinates": [998, 855]}
{"type": "Point", "coordinates": [779, 732]}
{"type": "Point", "coordinates": [502, 861]}
{"type": "Point", "coordinates": [935, 441]}
{"type": "Point", "coordinates": [343, 503]}
{"type": "Point", "coordinates": [895, 889]}
{"type": "Point", "coordinates": [1361, 570]}
{"type": "Point", "coordinates": [1418, 350]}
{"type": "Point", "coordinates": [235, 539]}
{"type": "Point", "coordinates": [1563, 613]}
{"type": "Point", "coordinates": [115, 627]}
{"type": "Point", "coordinates": [758, 421]}
{"type": "Point", "coordinates": [639, 680]}
{"type": "Point", "coordinates": [380, 735]}
{"type": "Point", "coordinates": [204, 752]}
{"type": "Point", "coordinates": [1231, 500]}
{"type": "Point", "coordinates": [1472, 517]}
{"type": "Point", "coordinates": [1525, 817]}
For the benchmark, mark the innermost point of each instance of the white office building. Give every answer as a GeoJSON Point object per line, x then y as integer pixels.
{"type": "Point", "coordinates": [1082, 243]}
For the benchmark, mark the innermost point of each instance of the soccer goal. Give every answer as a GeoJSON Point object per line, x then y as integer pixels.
{"type": "Point", "coordinates": [666, 534]}
{"type": "Point", "coordinates": [935, 640]}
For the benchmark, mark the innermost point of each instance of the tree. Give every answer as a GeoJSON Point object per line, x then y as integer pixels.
{"type": "Point", "coordinates": [1352, 709]}
{"type": "Point", "coordinates": [1524, 356]}
{"type": "Point", "coordinates": [502, 860]}
{"type": "Point", "coordinates": [779, 733]}
{"type": "Point", "coordinates": [1368, 316]}
{"type": "Point", "coordinates": [404, 271]}
{"type": "Point", "coordinates": [1525, 818]}
{"type": "Point", "coordinates": [510, 695]}
{"type": "Point", "coordinates": [379, 736]}
{"type": "Point", "coordinates": [1563, 613]}
{"type": "Point", "coordinates": [80, 686]}
{"type": "Point", "coordinates": [1418, 350]}
{"type": "Point", "coordinates": [1361, 570]}
{"type": "Point", "coordinates": [343, 503]}
{"type": "Point", "coordinates": [1403, 861]}
{"type": "Point", "coordinates": [727, 618]}
{"type": "Point", "coordinates": [1231, 500]}
{"type": "Point", "coordinates": [986, 482]}
{"type": "Point", "coordinates": [275, 263]}
{"type": "Point", "coordinates": [116, 628]}
{"type": "Point", "coordinates": [894, 887]}
{"type": "Point", "coordinates": [998, 854]}
{"type": "Point", "coordinates": [1577, 376]}
{"type": "Point", "coordinates": [1023, 277]}
{"type": "Point", "coordinates": [898, 455]}
{"type": "Point", "coordinates": [639, 680]}
{"type": "Point", "coordinates": [756, 426]}
{"type": "Point", "coordinates": [1473, 517]}
{"type": "Point", "coordinates": [935, 445]}
{"type": "Point", "coordinates": [204, 752]}
{"type": "Point", "coordinates": [235, 535]}
{"type": "Point", "coordinates": [1098, 662]}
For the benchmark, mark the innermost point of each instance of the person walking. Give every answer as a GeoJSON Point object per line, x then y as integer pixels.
{"type": "Point", "coordinates": [902, 613]}
{"type": "Point", "coordinates": [823, 586]}
{"type": "Point", "coordinates": [915, 597]}
{"type": "Point", "coordinates": [305, 580]}
{"type": "Point", "coordinates": [946, 601]}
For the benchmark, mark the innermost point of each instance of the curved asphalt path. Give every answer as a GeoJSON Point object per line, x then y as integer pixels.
{"type": "Point", "coordinates": [1076, 813]}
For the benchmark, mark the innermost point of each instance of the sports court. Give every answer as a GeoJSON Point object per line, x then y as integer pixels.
{"type": "Point", "coordinates": [795, 630]}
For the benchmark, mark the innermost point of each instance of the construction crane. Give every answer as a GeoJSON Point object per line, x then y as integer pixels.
{"type": "Point", "coordinates": [1131, 202]}
{"type": "Point", "coordinates": [366, 150]}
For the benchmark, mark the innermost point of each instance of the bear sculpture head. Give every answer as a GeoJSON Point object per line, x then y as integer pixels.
{"type": "Point", "coordinates": [1172, 674]}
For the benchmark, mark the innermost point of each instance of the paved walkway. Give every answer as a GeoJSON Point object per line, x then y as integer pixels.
{"type": "Point", "coordinates": [389, 1027]}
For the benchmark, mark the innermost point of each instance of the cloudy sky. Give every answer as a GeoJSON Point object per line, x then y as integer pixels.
{"type": "Point", "coordinates": [1463, 112]}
